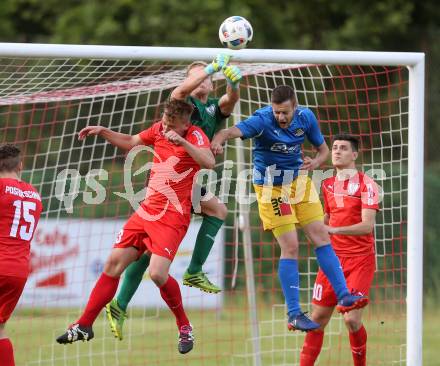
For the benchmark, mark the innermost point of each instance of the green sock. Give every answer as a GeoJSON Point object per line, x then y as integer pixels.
{"type": "Point", "coordinates": [204, 242]}
{"type": "Point", "coordinates": [132, 279]}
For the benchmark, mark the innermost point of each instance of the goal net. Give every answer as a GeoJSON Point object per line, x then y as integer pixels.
{"type": "Point", "coordinates": [88, 189]}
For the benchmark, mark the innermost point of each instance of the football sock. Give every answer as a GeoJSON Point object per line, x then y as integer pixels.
{"type": "Point", "coordinates": [289, 279]}
{"type": "Point", "coordinates": [132, 279]}
{"type": "Point", "coordinates": [358, 343]}
{"type": "Point", "coordinates": [311, 348]}
{"type": "Point", "coordinates": [170, 292]}
{"type": "Point", "coordinates": [330, 265]}
{"type": "Point", "coordinates": [103, 292]}
{"type": "Point", "coordinates": [204, 242]}
{"type": "Point", "coordinates": [6, 352]}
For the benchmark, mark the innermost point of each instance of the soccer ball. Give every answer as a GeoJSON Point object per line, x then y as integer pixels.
{"type": "Point", "coordinates": [235, 33]}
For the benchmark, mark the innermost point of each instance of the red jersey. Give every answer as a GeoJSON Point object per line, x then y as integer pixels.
{"type": "Point", "coordinates": [171, 179]}
{"type": "Point", "coordinates": [19, 214]}
{"type": "Point", "coordinates": [343, 202]}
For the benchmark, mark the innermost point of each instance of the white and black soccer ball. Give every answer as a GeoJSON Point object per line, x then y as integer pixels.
{"type": "Point", "coordinates": [235, 32]}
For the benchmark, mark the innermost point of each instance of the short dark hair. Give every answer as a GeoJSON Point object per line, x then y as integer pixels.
{"type": "Point", "coordinates": [177, 108]}
{"type": "Point", "coordinates": [282, 94]}
{"type": "Point", "coordinates": [354, 141]}
{"type": "Point", "coordinates": [10, 157]}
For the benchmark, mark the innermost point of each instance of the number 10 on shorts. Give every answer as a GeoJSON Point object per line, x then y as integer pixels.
{"type": "Point", "coordinates": [317, 292]}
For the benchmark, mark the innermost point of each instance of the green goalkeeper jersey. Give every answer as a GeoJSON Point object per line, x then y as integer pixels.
{"type": "Point", "coordinates": [207, 115]}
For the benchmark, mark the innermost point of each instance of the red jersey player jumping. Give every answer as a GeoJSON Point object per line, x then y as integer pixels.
{"type": "Point", "coordinates": [161, 222]}
{"type": "Point", "coordinates": [20, 211]}
{"type": "Point", "coordinates": [351, 201]}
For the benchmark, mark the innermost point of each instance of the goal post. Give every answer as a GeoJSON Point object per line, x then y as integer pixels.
{"type": "Point", "coordinates": [38, 87]}
{"type": "Point", "coordinates": [414, 326]}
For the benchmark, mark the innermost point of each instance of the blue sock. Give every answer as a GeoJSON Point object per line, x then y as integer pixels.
{"type": "Point", "coordinates": [330, 265]}
{"type": "Point", "coordinates": [289, 279]}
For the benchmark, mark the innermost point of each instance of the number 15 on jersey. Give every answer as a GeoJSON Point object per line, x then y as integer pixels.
{"type": "Point", "coordinates": [25, 210]}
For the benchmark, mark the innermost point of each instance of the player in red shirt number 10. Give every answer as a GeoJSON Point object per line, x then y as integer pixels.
{"type": "Point", "coordinates": [351, 200]}
{"type": "Point", "coordinates": [19, 214]}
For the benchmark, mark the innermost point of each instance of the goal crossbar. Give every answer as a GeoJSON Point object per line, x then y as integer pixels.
{"type": "Point", "coordinates": [415, 63]}
{"type": "Point", "coordinates": [191, 53]}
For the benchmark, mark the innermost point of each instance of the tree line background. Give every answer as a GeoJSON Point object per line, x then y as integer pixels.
{"type": "Point", "coordinates": [385, 25]}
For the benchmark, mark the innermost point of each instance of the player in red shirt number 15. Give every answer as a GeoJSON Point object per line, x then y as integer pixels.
{"type": "Point", "coordinates": [351, 200]}
{"type": "Point", "coordinates": [19, 214]}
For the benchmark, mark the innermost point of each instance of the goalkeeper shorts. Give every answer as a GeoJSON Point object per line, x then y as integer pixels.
{"type": "Point", "coordinates": [297, 203]}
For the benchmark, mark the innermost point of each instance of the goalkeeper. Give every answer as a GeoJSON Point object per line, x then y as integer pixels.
{"type": "Point", "coordinates": [286, 199]}
{"type": "Point", "coordinates": [208, 114]}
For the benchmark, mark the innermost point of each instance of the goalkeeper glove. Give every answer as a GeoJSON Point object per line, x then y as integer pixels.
{"type": "Point", "coordinates": [220, 62]}
{"type": "Point", "coordinates": [233, 76]}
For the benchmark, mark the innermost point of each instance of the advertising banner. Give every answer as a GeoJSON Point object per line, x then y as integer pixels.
{"type": "Point", "coordinates": [68, 255]}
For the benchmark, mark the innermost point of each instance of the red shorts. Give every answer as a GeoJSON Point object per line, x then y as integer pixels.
{"type": "Point", "coordinates": [358, 272]}
{"type": "Point", "coordinates": [161, 237]}
{"type": "Point", "coordinates": [10, 292]}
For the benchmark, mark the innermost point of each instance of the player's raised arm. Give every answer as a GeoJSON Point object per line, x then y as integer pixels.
{"type": "Point", "coordinates": [202, 155]}
{"type": "Point", "coordinates": [250, 127]}
{"type": "Point", "coordinates": [223, 135]}
{"type": "Point", "coordinates": [314, 135]}
{"type": "Point", "coordinates": [228, 100]}
{"type": "Point", "coordinates": [121, 140]}
{"type": "Point", "coordinates": [198, 76]}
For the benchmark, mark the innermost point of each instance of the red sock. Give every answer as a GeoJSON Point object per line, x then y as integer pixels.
{"type": "Point", "coordinates": [103, 292]}
{"type": "Point", "coordinates": [6, 352]}
{"type": "Point", "coordinates": [358, 342]}
{"type": "Point", "coordinates": [311, 348]}
{"type": "Point", "coordinates": [170, 292]}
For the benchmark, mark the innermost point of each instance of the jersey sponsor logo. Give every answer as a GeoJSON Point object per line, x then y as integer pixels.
{"type": "Point", "coordinates": [277, 132]}
{"type": "Point", "coordinates": [283, 148]}
{"type": "Point", "coordinates": [210, 110]}
{"type": "Point", "coordinates": [298, 132]}
{"type": "Point", "coordinates": [281, 208]}
{"type": "Point", "coordinates": [353, 188]}
{"type": "Point", "coordinates": [199, 137]}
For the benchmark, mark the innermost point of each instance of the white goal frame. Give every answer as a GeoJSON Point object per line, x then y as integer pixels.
{"type": "Point", "coordinates": [415, 62]}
